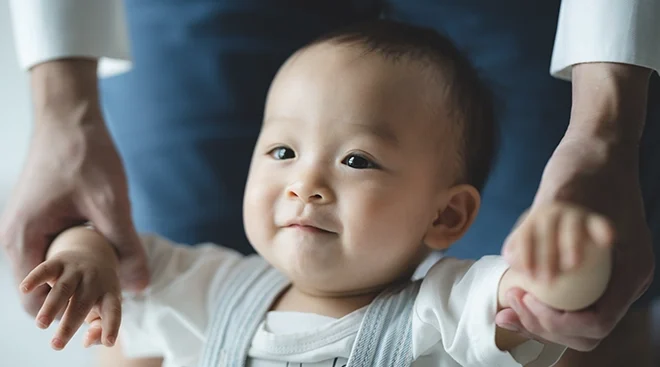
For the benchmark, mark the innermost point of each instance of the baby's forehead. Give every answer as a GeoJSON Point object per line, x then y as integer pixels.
{"type": "Point", "coordinates": [344, 83]}
{"type": "Point", "coordinates": [350, 68]}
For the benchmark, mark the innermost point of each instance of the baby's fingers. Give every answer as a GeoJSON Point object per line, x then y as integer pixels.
{"type": "Point", "coordinates": [45, 272]}
{"type": "Point", "coordinates": [93, 335]}
{"type": "Point", "coordinates": [57, 298]}
{"type": "Point", "coordinates": [600, 230]}
{"type": "Point", "coordinates": [571, 240]}
{"type": "Point", "coordinates": [111, 314]}
{"type": "Point", "coordinates": [546, 250]}
{"type": "Point", "coordinates": [79, 306]}
{"type": "Point", "coordinates": [526, 249]}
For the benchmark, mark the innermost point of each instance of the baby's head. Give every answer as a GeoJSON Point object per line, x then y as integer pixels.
{"type": "Point", "coordinates": [375, 143]}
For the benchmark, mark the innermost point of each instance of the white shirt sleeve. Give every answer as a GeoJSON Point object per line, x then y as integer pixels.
{"type": "Point", "coordinates": [455, 311]}
{"type": "Point", "coordinates": [620, 31]}
{"type": "Point", "coordinates": [46, 30]}
{"type": "Point", "coordinates": [170, 317]}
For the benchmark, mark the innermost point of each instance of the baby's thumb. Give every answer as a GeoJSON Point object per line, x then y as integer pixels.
{"type": "Point", "coordinates": [94, 332]}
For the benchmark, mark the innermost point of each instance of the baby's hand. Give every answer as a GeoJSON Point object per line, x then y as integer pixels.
{"type": "Point", "coordinates": [552, 238]}
{"type": "Point", "coordinates": [85, 286]}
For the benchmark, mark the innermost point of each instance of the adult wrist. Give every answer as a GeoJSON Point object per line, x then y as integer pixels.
{"type": "Point", "coordinates": [65, 91]}
{"type": "Point", "coordinates": [609, 103]}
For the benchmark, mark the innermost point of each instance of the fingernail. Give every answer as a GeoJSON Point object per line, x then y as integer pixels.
{"type": "Point", "coordinates": [57, 343]}
{"type": "Point", "coordinates": [111, 340]}
{"type": "Point", "coordinates": [510, 327]}
{"type": "Point", "coordinates": [43, 322]}
{"type": "Point", "coordinates": [24, 288]}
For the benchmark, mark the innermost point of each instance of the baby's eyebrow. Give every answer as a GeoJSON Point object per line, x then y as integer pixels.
{"type": "Point", "coordinates": [380, 131]}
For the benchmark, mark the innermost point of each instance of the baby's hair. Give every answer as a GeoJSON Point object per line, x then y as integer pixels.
{"type": "Point", "coordinates": [469, 99]}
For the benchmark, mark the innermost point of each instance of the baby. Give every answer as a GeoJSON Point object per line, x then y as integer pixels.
{"type": "Point", "coordinates": [375, 143]}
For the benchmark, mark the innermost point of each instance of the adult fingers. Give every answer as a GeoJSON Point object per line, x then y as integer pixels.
{"type": "Point", "coordinates": [540, 327]}
{"type": "Point", "coordinates": [114, 223]}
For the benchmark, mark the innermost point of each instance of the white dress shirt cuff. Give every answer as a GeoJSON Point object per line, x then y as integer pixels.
{"type": "Point", "coordinates": [618, 31]}
{"type": "Point", "coordinates": [46, 30]}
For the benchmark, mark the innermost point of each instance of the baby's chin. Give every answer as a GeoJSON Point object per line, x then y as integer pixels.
{"type": "Point", "coordinates": [326, 269]}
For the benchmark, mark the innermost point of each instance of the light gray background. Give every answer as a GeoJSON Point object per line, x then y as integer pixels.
{"type": "Point", "coordinates": [22, 344]}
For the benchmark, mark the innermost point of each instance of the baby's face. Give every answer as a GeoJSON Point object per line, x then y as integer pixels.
{"type": "Point", "coordinates": [346, 175]}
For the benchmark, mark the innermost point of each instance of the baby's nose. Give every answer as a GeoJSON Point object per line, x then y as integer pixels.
{"type": "Point", "coordinates": [310, 191]}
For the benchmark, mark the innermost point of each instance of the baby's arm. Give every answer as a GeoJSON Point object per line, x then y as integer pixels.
{"type": "Point", "coordinates": [561, 255]}
{"type": "Point", "coordinates": [81, 268]}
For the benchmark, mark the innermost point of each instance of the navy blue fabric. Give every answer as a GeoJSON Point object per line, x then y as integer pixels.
{"type": "Point", "coordinates": [186, 117]}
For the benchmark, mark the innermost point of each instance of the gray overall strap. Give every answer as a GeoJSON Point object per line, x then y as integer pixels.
{"type": "Point", "coordinates": [245, 297]}
{"type": "Point", "coordinates": [385, 335]}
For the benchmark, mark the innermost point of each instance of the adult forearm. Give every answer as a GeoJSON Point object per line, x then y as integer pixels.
{"type": "Point", "coordinates": [65, 91]}
{"type": "Point", "coordinates": [609, 102]}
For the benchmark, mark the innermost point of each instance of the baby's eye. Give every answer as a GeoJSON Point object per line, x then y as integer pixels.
{"type": "Point", "coordinates": [281, 153]}
{"type": "Point", "coordinates": [359, 162]}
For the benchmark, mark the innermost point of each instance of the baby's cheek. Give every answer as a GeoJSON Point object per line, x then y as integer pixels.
{"type": "Point", "coordinates": [258, 206]}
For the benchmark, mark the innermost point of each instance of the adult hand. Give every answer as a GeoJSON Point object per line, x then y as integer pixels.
{"type": "Point", "coordinates": [596, 166]}
{"type": "Point", "coordinates": [72, 175]}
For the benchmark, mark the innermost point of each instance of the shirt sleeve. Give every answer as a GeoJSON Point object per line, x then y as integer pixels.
{"type": "Point", "coordinates": [621, 31]}
{"type": "Point", "coordinates": [169, 318]}
{"type": "Point", "coordinates": [455, 310]}
{"type": "Point", "coordinates": [46, 30]}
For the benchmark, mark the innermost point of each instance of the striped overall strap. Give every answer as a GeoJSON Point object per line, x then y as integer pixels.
{"type": "Point", "coordinates": [385, 335]}
{"type": "Point", "coordinates": [245, 296]}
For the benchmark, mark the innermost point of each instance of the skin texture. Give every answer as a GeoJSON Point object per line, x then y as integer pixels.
{"type": "Point", "coordinates": [93, 293]}
{"type": "Point", "coordinates": [82, 268]}
{"type": "Point", "coordinates": [327, 107]}
{"type": "Point", "coordinates": [596, 165]}
{"type": "Point", "coordinates": [332, 173]}
{"type": "Point", "coordinates": [72, 175]}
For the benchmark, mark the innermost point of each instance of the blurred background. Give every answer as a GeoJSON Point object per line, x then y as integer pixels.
{"type": "Point", "coordinates": [22, 344]}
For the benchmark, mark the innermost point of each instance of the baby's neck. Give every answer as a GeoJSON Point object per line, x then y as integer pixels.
{"type": "Point", "coordinates": [296, 300]}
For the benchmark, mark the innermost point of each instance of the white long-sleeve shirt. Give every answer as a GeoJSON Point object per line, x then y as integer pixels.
{"type": "Point", "coordinates": [453, 321]}
{"type": "Point", "coordinates": [623, 31]}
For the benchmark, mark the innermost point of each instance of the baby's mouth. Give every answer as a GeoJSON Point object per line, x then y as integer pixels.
{"type": "Point", "coordinates": [308, 228]}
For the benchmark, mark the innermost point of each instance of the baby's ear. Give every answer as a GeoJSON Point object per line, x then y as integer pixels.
{"type": "Point", "coordinates": [454, 218]}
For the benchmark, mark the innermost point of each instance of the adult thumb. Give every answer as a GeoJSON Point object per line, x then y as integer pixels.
{"type": "Point", "coordinates": [120, 231]}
